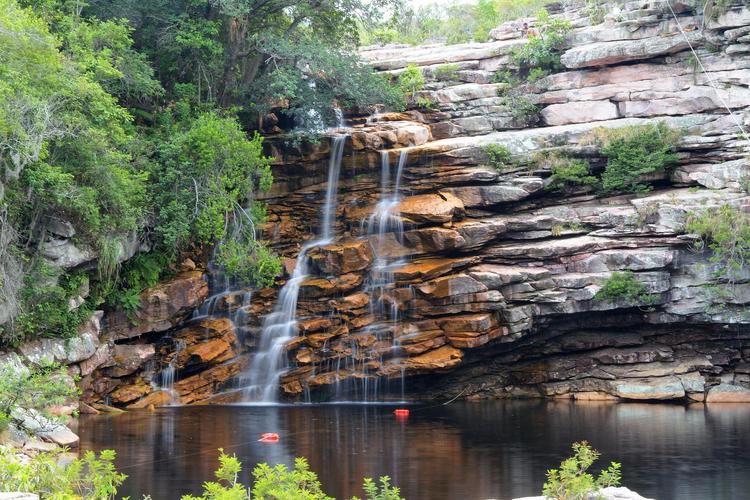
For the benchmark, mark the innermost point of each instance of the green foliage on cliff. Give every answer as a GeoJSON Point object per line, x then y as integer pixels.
{"type": "Point", "coordinates": [411, 80]}
{"type": "Point", "coordinates": [624, 286]}
{"type": "Point", "coordinates": [46, 300]}
{"type": "Point", "coordinates": [499, 156]}
{"type": "Point", "coordinates": [725, 231]}
{"type": "Point", "coordinates": [544, 49]}
{"type": "Point", "coordinates": [566, 172]}
{"type": "Point", "coordinates": [32, 388]}
{"type": "Point", "coordinates": [89, 477]}
{"type": "Point", "coordinates": [634, 152]}
{"type": "Point", "coordinates": [572, 481]}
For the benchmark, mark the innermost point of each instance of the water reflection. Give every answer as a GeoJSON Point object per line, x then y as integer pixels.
{"type": "Point", "coordinates": [482, 450]}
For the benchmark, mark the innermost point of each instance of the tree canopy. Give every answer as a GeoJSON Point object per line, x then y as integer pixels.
{"type": "Point", "coordinates": [126, 118]}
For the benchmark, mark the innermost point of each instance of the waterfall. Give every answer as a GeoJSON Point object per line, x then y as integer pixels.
{"type": "Point", "coordinates": [168, 376]}
{"type": "Point", "coordinates": [385, 220]}
{"type": "Point", "coordinates": [384, 223]}
{"type": "Point", "coordinates": [269, 361]}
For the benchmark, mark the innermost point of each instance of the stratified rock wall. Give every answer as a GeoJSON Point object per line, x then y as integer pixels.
{"type": "Point", "coordinates": [495, 293]}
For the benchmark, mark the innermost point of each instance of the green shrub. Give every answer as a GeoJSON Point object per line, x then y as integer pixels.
{"type": "Point", "coordinates": [499, 156]}
{"type": "Point", "coordinates": [633, 152]}
{"type": "Point", "coordinates": [536, 74]}
{"type": "Point", "coordinates": [249, 261]}
{"type": "Point", "coordinates": [411, 80]}
{"type": "Point", "coordinates": [382, 491]}
{"type": "Point", "coordinates": [277, 482]}
{"type": "Point", "coordinates": [506, 76]}
{"type": "Point", "coordinates": [572, 173]}
{"type": "Point", "coordinates": [544, 51]}
{"type": "Point", "coordinates": [624, 286]}
{"type": "Point", "coordinates": [572, 481]}
{"type": "Point", "coordinates": [524, 112]}
{"type": "Point", "coordinates": [142, 271]}
{"type": "Point", "coordinates": [425, 103]}
{"type": "Point", "coordinates": [87, 477]}
{"type": "Point", "coordinates": [33, 388]}
{"type": "Point", "coordinates": [725, 231]}
{"type": "Point", "coordinates": [446, 71]}
{"type": "Point", "coordinates": [45, 306]}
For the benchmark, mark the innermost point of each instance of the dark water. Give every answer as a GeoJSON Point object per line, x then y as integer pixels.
{"type": "Point", "coordinates": [461, 451]}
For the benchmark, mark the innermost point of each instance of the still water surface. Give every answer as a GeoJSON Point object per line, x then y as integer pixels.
{"type": "Point", "coordinates": [460, 451]}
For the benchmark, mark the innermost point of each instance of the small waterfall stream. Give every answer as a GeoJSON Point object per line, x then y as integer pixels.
{"type": "Point", "coordinates": [381, 227]}
{"type": "Point", "coordinates": [269, 360]}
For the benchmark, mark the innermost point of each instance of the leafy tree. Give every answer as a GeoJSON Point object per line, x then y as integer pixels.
{"type": "Point", "coordinates": [572, 481]}
{"type": "Point", "coordinates": [258, 54]}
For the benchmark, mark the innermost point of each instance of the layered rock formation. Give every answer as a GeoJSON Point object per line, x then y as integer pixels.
{"type": "Point", "coordinates": [494, 295]}
{"type": "Point", "coordinates": [489, 290]}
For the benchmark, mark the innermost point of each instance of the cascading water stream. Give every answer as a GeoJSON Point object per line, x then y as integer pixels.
{"type": "Point", "coordinates": [269, 361]}
{"type": "Point", "coordinates": [381, 227]}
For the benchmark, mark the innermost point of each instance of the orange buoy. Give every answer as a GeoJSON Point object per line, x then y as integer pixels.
{"type": "Point", "coordinates": [269, 437]}
{"type": "Point", "coordinates": [401, 412]}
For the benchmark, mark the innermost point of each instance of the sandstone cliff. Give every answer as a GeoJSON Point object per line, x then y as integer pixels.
{"type": "Point", "coordinates": [492, 284]}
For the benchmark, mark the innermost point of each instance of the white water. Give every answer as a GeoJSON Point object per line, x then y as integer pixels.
{"type": "Point", "coordinates": [269, 361]}
{"type": "Point", "coordinates": [383, 225]}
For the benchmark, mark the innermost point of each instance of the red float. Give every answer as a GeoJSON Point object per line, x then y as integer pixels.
{"type": "Point", "coordinates": [269, 437]}
{"type": "Point", "coordinates": [401, 412]}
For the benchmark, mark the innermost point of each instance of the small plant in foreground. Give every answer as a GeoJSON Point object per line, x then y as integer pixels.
{"type": "Point", "coordinates": [89, 477]}
{"type": "Point", "coordinates": [572, 481]}
{"type": "Point", "coordinates": [382, 491]}
{"type": "Point", "coordinates": [499, 156]}
{"type": "Point", "coordinates": [625, 286]}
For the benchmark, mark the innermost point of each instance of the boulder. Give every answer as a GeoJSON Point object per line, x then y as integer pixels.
{"type": "Point", "coordinates": [38, 425]}
{"type": "Point", "coordinates": [434, 208]}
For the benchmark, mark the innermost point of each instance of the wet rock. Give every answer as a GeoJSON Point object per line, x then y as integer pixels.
{"type": "Point", "coordinates": [323, 287]}
{"type": "Point", "coordinates": [343, 258]}
{"type": "Point", "coordinates": [203, 341]}
{"type": "Point", "coordinates": [130, 392]}
{"type": "Point", "coordinates": [435, 208]}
